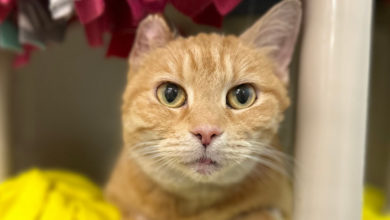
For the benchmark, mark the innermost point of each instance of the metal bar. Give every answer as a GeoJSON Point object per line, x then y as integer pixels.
{"type": "Point", "coordinates": [332, 109]}
{"type": "Point", "coordinates": [4, 115]}
{"type": "Point", "coordinates": [387, 205]}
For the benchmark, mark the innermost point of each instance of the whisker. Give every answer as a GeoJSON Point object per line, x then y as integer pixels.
{"type": "Point", "coordinates": [262, 154]}
{"type": "Point", "coordinates": [255, 174]}
{"type": "Point", "coordinates": [273, 152]}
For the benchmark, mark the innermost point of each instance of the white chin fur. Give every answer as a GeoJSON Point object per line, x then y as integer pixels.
{"type": "Point", "coordinates": [187, 178]}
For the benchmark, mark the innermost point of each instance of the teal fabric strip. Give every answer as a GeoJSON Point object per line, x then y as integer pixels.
{"type": "Point", "coordinates": [9, 37]}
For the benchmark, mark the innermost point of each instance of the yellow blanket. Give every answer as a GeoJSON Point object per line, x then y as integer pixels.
{"type": "Point", "coordinates": [373, 204]}
{"type": "Point", "coordinates": [51, 195]}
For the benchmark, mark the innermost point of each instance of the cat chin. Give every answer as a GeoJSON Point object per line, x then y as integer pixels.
{"type": "Point", "coordinates": [220, 174]}
{"type": "Point", "coordinates": [190, 177]}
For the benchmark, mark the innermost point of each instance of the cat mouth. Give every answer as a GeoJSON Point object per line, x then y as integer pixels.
{"type": "Point", "coordinates": [205, 166]}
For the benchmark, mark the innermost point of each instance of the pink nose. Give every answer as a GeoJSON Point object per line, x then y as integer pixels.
{"type": "Point", "coordinates": [206, 134]}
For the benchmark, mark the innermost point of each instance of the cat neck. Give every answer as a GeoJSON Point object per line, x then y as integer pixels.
{"type": "Point", "coordinates": [189, 198]}
{"type": "Point", "coordinates": [134, 191]}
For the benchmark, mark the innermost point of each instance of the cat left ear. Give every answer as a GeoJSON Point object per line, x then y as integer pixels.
{"type": "Point", "coordinates": [153, 32]}
{"type": "Point", "coordinates": [277, 31]}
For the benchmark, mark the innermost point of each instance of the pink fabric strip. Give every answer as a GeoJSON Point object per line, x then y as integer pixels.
{"type": "Point", "coordinates": [137, 10]}
{"type": "Point", "coordinates": [95, 30]}
{"type": "Point", "coordinates": [225, 6]}
{"type": "Point", "coordinates": [5, 2]}
{"type": "Point", "coordinates": [89, 10]}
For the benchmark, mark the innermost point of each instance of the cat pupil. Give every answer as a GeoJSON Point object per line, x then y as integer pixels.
{"type": "Point", "coordinates": [171, 92]}
{"type": "Point", "coordinates": [242, 94]}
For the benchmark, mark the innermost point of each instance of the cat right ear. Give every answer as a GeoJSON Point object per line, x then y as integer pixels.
{"type": "Point", "coordinates": [153, 32]}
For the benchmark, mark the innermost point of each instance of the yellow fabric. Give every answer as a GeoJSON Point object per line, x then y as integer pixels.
{"type": "Point", "coordinates": [373, 205]}
{"type": "Point", "coordinates": [50, 195]}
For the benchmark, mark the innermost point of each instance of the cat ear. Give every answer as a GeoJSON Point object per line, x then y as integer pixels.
{"type": "Point", "coordinates": [152, 32]}
{"type": "Point", "coordinates": [277, 31]}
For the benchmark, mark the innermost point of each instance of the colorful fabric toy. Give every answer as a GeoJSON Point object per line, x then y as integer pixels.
{"type": "Point", "coordinates": [41, 22]}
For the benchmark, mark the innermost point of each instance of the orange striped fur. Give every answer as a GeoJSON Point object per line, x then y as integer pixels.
{"type": "Point", "coordinates": [151, 180]}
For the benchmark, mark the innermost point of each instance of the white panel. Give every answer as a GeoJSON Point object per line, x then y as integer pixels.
{"type": "Point", "coordinates": [332, 109]}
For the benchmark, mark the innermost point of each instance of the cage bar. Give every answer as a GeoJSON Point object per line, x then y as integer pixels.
{"type": "Point", "coordinates": [4, 115]}
{"type": "Point", "coordinates": [332, 109]}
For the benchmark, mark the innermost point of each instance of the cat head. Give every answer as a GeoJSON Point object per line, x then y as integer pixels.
{"type": "Point", "coordinates": [205, 109]}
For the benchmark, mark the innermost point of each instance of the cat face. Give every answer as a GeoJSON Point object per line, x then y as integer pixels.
{"type": "Point", "coordinates": [205, 109]}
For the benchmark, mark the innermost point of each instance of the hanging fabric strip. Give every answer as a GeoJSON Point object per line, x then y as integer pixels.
{"type": "Point", "coordinates": [120, 44]}
{"type": "Point", "coordinates": [208, 12]}
{"type": "Point", "coordinates": [36, 25]}
{"type": "Point", "coordinates": [29, 19]}
{"type": "Point", "coordinates": [61, 9]}
{"type": "Point", "coordinates": [9, 37]}
{"type": "Point", "coordinates": [137, 10]}
{"type": "Point", "coordinates": [155, 6]}
{"type": "Point", "coordinates": [122, 28]}
{"type": "Point", "coordinates": [6, 7]}
{"type": "Point", "coordinates": [89, 10]}
{"type": "Point", "coordinates": [91, 15]}
{"type": "Point", "coordinates": [43, 21]}
{"type": "Point", "coordinates": [209, 16]}
{"type": "Point", "coordinates": [191, 8]}
{"type": "Point", "coordinates": [23, 58]}
{"type": "Point", "coordinates": [119, 16]}
{"type": "Point", "coordinates": [225, 6]}
{"type": "Point", "coordinates": [94, 31]}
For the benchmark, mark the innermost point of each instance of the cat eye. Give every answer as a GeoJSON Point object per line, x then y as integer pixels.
{"type": "Point", "coordinates": [241, 96]}
{"type": "Point", "coordinates": [171, 95]}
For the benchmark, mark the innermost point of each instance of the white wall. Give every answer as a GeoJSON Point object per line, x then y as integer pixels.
{"type": "Point", "coordinates": [65, 108]}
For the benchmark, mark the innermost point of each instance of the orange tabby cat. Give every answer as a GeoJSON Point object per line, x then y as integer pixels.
{"type": "Point", "coordinates": [200, 121]}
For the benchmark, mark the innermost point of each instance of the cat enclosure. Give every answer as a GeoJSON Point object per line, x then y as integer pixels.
{"type": "Point", "coordinates": [332, 102]}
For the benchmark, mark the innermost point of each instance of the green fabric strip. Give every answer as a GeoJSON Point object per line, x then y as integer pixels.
{"type": "Point", "coordinates": [9, 37]}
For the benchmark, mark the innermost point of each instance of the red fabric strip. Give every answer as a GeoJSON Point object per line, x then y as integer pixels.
{"type": "Point", "coordinates": [191, 7]}
{"type": "Point", "coordinates": [154, 6]}
{"type": "Point", "coordinates": [6, 7]}
{"type": "Point", "coordinates": [209, 16]}
{"type": "Point", "coordinates": [22, 59]}
{"type": "Point", "coordinates": [94, 31]}
{"type": "Point", "coordinates": [120, 44]}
